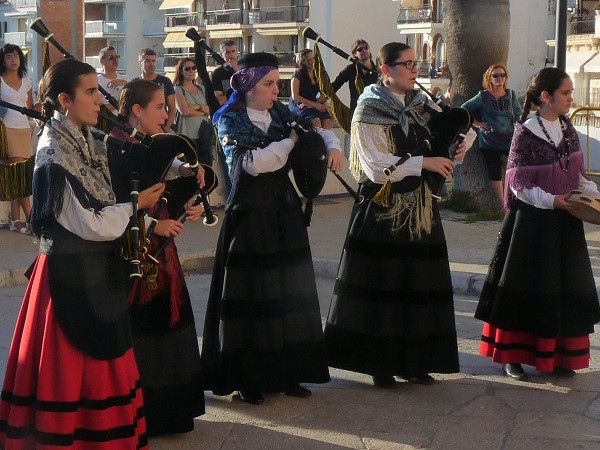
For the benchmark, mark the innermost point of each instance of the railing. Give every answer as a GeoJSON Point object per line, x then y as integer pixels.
{"type": "Point", "coordinates": [583, 24]}
{"type": "Point", "coordinates": [154, 28]}
{"type": "Point", "coordinates": [424, 68]}
{"type": "Point", "coordinates": [586, 97]}
{"type": "Point", "coordinates": [104, 1]}
{"type": "Point", "coordinates": [101, 27]}
{"type": "Point", "coordinates": [278, 14]}
{"type": "Point", "coordinates": [185, 20]}
{"type": "Point", "coordinates": [420, 15]}
{"type": "Point", "coordinates": [19, 38]}
{"type": "Point", "coordinates": [585, 116]}
{"type": "Point", "coordinates": [224, 16]}
{"type": "Point", "coordinates": [25, 3]}
{"type": "Point", "coordinates": [171, 60]}
{"type": "Point", "coordinates": [286, 58]}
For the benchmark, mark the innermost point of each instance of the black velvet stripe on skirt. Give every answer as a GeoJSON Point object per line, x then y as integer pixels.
{"type": "Point", "coordinates": [392, 311]}
{"type": "Point", "coordinates": [168, 360]}
{"type": "Point", "coordinates": [540, 279]}
{"type": "Point", "coordinates": [263, 326]}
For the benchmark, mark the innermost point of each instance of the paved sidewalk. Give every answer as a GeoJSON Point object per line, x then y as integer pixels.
{"type": "Point", "coordinates": [470, 246]}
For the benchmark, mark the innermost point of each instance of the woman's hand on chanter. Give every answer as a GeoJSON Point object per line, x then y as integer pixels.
{"type": "Point", "coordinates": [194, 212]}
{"type": "Point", "coordinates": [148, 197]}
{"type": "Point", "coordinates": [168, 227]}
{"type": "Point", "coordinates": [438, 164]}
{"type": "Point", "coordinates": [334, 160]}
{"type": "Point", "coordinates": [482, 125]}
{"type": "Point", "coordinates": [459, 150]}
{"type": "Point", "coordinates": [561, 202]}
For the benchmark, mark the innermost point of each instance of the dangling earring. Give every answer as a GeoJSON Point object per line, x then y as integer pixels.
{"type": "Point", "coordinates": [139, 122]}
{"type": "Point", "coordinates": [387, 82]}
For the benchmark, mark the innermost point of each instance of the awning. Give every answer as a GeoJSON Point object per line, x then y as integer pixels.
{"type": "Point", "coordinates": [576, 60]}
{"type": "Point", "coordinates": [225, 34]}
{"type": "Point", "coordinates": [170, 4]}
{"type": "Point", "coordinates": [593, 65]}
{"type": "Point", "coordinates": [177, 40]}
{"type": "Point", "coordinates": [277, 31]}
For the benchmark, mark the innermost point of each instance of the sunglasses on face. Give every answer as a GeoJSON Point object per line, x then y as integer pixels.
{"type": "Point", "coordinates": [113, 57]}
{"type": "Point", "coordinates": [360, 49]}
{"type": "Point", "coordinates": [498, 75]}
{"type": "Point", "coordinates": [188, 68]}
{"type": "Point", "coordinates": [408, 64]}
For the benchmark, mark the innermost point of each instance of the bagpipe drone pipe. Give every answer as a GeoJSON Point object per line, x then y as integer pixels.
{"type": "Point", "coordinates": [447, 126]}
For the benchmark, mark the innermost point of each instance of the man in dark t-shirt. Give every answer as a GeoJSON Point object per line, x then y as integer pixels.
{"type": "Point", "coordinates": [147, 60]}
{"type": "Point", "coordinates": [361, 51]}
{"type": "Point", "coordinates": [221, 75]}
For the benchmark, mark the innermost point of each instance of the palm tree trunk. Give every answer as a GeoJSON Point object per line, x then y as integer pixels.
{"type": "Point", "coordinates": [477, 35]}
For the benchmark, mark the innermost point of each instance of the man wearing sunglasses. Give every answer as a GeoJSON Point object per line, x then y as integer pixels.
{"type": "Point", "coordinates": [361, 51]}
{"type": "Point", "coordinates": [109, 79]}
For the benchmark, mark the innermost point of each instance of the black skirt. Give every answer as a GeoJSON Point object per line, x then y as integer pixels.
{"type": "Point", "coordinates": [168, 360]}
{"type": "Point", "coordinates": [263, 327]}
{"type": "Point", "coordinates": [392, 311]}
{"type": "Point", "coordinates": [540, 279]}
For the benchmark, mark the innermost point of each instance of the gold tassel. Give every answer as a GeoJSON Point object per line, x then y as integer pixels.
{"type": "Point", "coordinates": [150, 273]}
{"type": "Point", "coordinates": [16, 179]}
{"type": "Point", "coordinates": [3, 142]}
{"type": "Point", "coordinates": [46, 63]}
{"type": "Point", "coordinates": [103, 124]}
{"type": "Point", "coordinates": [127, 245]}
{"type": "Point", "coordinates": [340, 112]}
{"type": "Point", "coordinates": [382, 198]}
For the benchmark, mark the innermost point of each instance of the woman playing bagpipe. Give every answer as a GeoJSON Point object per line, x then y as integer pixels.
{"type": "Point", "coordinates": [392, 311]}
{"type": "Point", "coordinates": [263, 326]}
{"type": "Point", "coordinates": [539, 299]}
{"type": "Point", "coordinates": [71, 378]}
{"type": "Point", "coordinates": [164, 335]}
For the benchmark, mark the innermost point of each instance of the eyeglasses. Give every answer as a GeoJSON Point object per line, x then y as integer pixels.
{"type": "Point", "coordinates": [188, 68]}
{"type": "Point", "coordinates": [112, 57]}
{"type": "Point", "coordinates": [498, 75]}
{"type": "Point", "coordinates": [408, 64]}
{"type": "Point", "coordinates": [360, 49]}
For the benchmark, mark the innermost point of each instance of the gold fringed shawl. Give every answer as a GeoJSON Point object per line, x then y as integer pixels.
{"type": "Point", "coordinates": [16, 179]}
{"type": "Point", "coordinates": [340, 112]}
{"type": "Point", "coordinates": [411, 210]}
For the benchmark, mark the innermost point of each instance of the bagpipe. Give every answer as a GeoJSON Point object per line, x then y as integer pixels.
{"type": "Point", "coordinates": [448, 126]}
{"type": "Point", "coordinates": [308, 160]}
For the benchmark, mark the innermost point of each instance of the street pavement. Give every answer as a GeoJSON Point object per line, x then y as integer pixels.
{"type": "Point", "coordinates": [477, 408]}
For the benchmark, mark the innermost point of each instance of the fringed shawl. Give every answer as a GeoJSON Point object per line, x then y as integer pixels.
{"type": "Point", "coordinates": [533, 161]}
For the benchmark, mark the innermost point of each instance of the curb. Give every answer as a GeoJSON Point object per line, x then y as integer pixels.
{"type": "Point", "coordinates": [464, 283]}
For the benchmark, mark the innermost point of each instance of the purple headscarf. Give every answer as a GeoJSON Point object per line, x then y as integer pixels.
{"type": "Point", "coordinates": [242, 82]}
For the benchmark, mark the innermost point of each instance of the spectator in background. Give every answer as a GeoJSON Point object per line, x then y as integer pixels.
{"type": "Point", "coordinates": [16, 88]}
{"type": "Point", "coordinates": [109, 79]}
{"type": "Point", "coordinates": [496, 109]}
{"type": "Point", "coordinates": [221, 75]}
{"type": "Point", "coordinates": [193, 110]}
{"type": "Point", "coordinates": [306, 100]}
{"type": "Point", "coordinates": [147, 60]}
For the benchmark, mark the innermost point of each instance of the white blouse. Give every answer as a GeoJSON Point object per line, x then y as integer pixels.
{"type": "Point", "coordinates": [107, 224]}
{"type": "Point", "coordinates": [536, 196]}
{"type": "Point", "coordinates": [274, 156]}
{"type": "Point", "coordinates": [15, 119]}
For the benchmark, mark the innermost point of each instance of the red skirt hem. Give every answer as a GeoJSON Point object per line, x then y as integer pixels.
{"type": "Point", "coordinates": [512, 347]}
{"type": "Point", "coordinates": [54, 395]}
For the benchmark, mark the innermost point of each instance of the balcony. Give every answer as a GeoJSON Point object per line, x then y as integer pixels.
{"type": "Point", "coordinates": [170, 61]}
{"type": "Point", "coordinates": [20, 38]}
{"type": "Point", "coordinates": [182, 21]}
{"type": "Point", "coordinates": [278, 14]}
{"type": "Point", "coordinates": [25, 3]}
{"type": "Point", "coordinates": [154, 28]}
{"type": "Point", "coordinates": [419, 15]}
{"type": "Point", "coordinates": [224, 17]}
{"type": "Point", "coordinates": [102, 28]}
{"type": "Point", "coordinates": [582, 24]}
{"type": "Point", "coordinates": [94, 61]}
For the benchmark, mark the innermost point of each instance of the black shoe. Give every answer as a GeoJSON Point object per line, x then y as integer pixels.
{"type": "Point", "coordinates": [295, 390]}
{"type": "Point", "coordinates": [424, 378]}
{"type": "Point", "coordinates": [514, 371]}
{"type": "Point", "coordinates": [254, 398]}
{"type": "Point", "coordinates": [384, 381]}
{"type": "Point", "coordinates": [562, 372]}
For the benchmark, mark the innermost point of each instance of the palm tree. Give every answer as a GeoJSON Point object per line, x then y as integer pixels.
{"type": "Point", "coordinates": [477, 35]}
